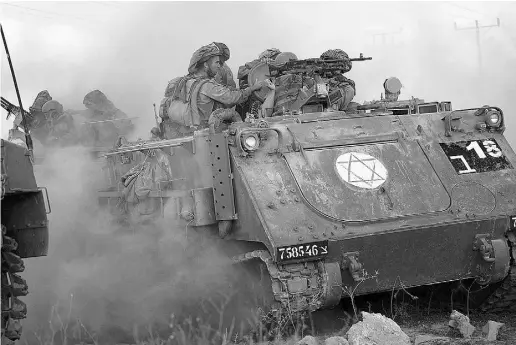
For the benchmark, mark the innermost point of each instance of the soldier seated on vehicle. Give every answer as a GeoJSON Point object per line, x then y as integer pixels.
{"type": "Point", "coordinates": [339, 81]}
{"type": "Point", "coordinates": [190, 100]}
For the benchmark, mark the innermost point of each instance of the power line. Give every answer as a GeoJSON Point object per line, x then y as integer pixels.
{"type": "Point", "coordinates": [463, 7]}
{"type": "Point", "coordinates": [49, 12]}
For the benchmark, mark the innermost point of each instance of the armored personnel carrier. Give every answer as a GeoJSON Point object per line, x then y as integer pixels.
{"type": "Point", "coordinates": [392, 193]}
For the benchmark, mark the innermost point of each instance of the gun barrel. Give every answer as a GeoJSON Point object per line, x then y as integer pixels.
{"type": "Point", "coordinates": [361, 58]}
{"type": "Point", "coordinates": [151, 146]}
{"type": "Point", "coordinates": [113, 120]}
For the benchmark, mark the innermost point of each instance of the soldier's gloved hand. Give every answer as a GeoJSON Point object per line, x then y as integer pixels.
{"type": "Point", "coordinates": [263, 83]}
{"type": "Point", "coordinates": [259, 85]}
{"type": "Point", "coordinates": [270, 84]}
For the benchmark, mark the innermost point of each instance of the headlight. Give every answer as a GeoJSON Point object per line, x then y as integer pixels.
{"type": "Point", "coordinates": [251, 142]}
{"type": "Point", "coordinates": [493, 118]}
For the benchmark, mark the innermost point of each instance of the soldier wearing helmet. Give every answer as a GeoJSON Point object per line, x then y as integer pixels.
{"type": "Point", "coordinates": [101, 108]}
{"type": "Point", "coordinates": [36, 119]}
{"type": "Point", "coordinates": [338, 81]}
{"type": "Point", "coordinates": [201, 91]}
{"type": "Point", "coordinates": [266, 56]}
{"type": "Point", "coordinates": [59, 124]}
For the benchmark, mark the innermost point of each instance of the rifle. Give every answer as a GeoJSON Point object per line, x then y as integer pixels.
{"type": "Point", "coordinates": [28, 139]}
{"type": "Point", "coordinates": [186, 142]}
{"type": "Point", "coordinates": [313, 66]}
{"type": "Point", "coordinates": [155, 114]}
{"type": "Point", "coordinates": [12, 109]}
{"type": "Point", "coordinates": [111, 120]}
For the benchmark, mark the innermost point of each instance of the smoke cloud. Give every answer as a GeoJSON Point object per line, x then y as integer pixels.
{"type": "Point", "coordinates": [106, 276]}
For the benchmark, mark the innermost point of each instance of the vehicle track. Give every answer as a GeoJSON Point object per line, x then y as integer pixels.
{"type": "Point", "coordinates": [13, 286]}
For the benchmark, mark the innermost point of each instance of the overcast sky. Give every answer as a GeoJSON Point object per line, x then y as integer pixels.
{"type": "Point", "coordinates": [129, 50]}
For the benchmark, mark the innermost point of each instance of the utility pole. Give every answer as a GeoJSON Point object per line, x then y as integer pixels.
{"type": "Point", "coordinates": [477, 29]}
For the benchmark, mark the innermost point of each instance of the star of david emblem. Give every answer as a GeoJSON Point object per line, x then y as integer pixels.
{"type": "Point", "coordinates": [361, 170]}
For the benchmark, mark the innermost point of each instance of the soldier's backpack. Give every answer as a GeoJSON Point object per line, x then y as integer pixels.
{"type": "Point", "coordinates": [182, 110]}
{"type": "Point", "coordinates": [292, 92]}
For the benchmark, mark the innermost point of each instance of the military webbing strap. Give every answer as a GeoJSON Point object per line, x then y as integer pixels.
{"type": "Point", "coordinates": [192, 99]}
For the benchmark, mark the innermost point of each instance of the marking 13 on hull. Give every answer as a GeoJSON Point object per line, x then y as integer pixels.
{"type": "Point", "coordinates": [302, 251]}
{"type": "Point", "coordinates": [476, 156]}
{"type": "Point", "coordinates": [512, 223]}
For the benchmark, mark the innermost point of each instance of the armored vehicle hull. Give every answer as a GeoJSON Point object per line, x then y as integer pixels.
{"type": "Point", "coordinates": [338, 204]}
{"type": "Point", "coordinates": [24, 232]}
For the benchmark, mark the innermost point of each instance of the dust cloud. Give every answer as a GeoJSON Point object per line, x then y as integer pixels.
{"type": "Point", "coordinates": [105, 277]}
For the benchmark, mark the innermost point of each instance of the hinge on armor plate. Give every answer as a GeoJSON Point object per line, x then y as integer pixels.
{"type": "Point", "coordinates": [483, 244]}
{"type": "Point", "coordinates": [350, 262]}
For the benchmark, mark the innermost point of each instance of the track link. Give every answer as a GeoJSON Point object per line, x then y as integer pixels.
{"type": "Point", "coordinates": [13, 286]}
{"type": "Point", "coordinates": [297, 287]}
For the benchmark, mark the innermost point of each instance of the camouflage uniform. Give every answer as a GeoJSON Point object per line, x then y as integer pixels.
{"type": "Point", "coordinates": [347, 86]}
{"type": "Point", "coordinates": [243, 72]}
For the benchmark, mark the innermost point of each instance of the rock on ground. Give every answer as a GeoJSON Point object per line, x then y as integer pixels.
{"type": "Point", "coordinates": [491, 329]}
{"type": "Point", "coordinates": [461, 322]}
{"type": "Point", "coordinates": [336, 341]}
{"type": "Point", "coordinates": [308, 340]}
{"type": "Point", "coordinates": [376, 329]}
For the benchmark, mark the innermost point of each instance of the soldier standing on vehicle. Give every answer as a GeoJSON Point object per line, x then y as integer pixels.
{"type": "Point", "coordinates": [191, 99]}
{"type": "Point", "coordinates": [338, 80]}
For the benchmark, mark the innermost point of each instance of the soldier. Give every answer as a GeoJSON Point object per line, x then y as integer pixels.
{"type": "Point", "coordinates": [36, 118]}
{"type": "Point", "coordinates": [347, 86]}
{"type": "Point", "coordinates": [101, 108]}
{"type": "Point", "coordinates": [225, 77]}
{"type": "Point", "coordinates": [191, 99]}
{"type": "Point", "coordinates": [267, 55]}
{"type": "Point", "coordinates": [61, 127]}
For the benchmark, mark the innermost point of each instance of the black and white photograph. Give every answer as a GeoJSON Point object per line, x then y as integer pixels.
{"type": "Point", "coordinates": [258, 172]}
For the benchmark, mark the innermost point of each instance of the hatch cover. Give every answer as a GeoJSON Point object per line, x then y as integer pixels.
{"type": "Point", "coordinates": [369, 182]}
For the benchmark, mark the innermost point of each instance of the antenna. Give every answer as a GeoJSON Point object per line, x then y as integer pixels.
{"type": "Point", "coordinates": [28, 139]}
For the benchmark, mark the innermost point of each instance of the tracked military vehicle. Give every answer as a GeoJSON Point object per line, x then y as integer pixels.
{"type": "Point", "coordinates": [25, 206]}
{"type": "Point", "coordinates": [392, 193]}
{"type": "Point", "coordinates": [24, 223]}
